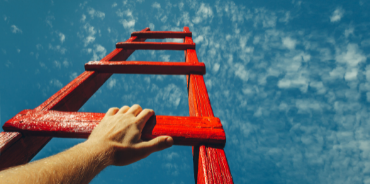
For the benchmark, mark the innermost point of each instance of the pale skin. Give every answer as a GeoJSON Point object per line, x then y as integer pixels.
{"type": "Point", "coordinates": [115, 141]}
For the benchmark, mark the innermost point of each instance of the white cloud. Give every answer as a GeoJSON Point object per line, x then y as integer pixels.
{"type": "Point", "coordinates": [301, 83]}
{"type": "Point", "coordinates": [151, 26]}
{"type": "Point", "coordinates": [289, 43]}
{"type": "Point", "coordinates": [164, 19]}
{"type": "Point", "coordinates": [88, 40]}
{"type": "Point", "coordinates": [112, 83]}
{"type": "Point", "coordinates": [98, 52]}
{"type": "Point", "coordinates": [348, 31]}
{"type": "Point", "coordinates": [128, 23]}
{"type": "Point", "coordinates": [351, 55]}
{"type": "Point", "coordinates": [337, 15]}
{"type": "Point", "coordinates": [165, 57]}
{"type": "Point", "coordinates": [90, 30]}
{"type": "Point", "coordinates": [57, 64]}
{"type": "Point", "coordinates": [58, 48]}
{"type": "Point", "coordinates": [15, 29]}
{"type": "Point", "coordinates": [241, 72]}
{"type": "Point", "coordinates": [216, 67]}
{"type": "Point", "coordinates": [156, 5]}
{"type": "Point", "coordinates": [171, 93]}
{"type": "Point", "coordinates": [114, 5]}
{"type": "Point", "coordinates": [73, 75]}
{"type": "Point", "coordinates": [267, 18]}
{"type": "Point", "coordinates": [62, 37]}
{"type": "Point", "coordinates": [351, 74]}
{"type": "Point", "coordinates": [172, 155]}
{"type": "Point", "coordinates": [337, 72]}
{"type": "Point", "coordinates": [319, 87]}
{"type": "Point", "coordinates": [181, 5]}
{"type": "Point", "coordinates": [198, 39]}
{"type": "Point", "coordinates": [49, 20]}
{"type": "Point", "coordinates": [56, 83]}
{"type": "Point", "coordinates": [286, 18]}
{"type": "Point", "coordinates": [307, 105]}
{"type": "Point", "coordinates": [66, 63]}
{"type": "Point", "coordinates": [204, 12]}
{"type": "Point", "coordinates": [95, 13]}
{"type": "Point", "coordinates": [83, 18]}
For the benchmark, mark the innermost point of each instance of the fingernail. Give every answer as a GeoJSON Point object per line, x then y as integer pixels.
{"type": "Point", "coordinates": [169, 141]}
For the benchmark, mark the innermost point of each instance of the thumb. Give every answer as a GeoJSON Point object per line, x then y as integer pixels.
{"type": "Point", "coordinates": [156, 144]}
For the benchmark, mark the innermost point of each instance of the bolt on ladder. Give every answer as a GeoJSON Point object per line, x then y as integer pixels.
{"type": "Point", "coordinates": [29, 131]}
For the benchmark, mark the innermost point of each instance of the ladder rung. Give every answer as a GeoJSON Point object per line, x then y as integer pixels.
{"type": "Point", "coordinates": [155, 45]}
{"type": "Point", "coordinates": [161, 34]}
{"type": "Point", "coordinates": [184, 130]}
{"type": "Point", "coordinates": [145, 67]}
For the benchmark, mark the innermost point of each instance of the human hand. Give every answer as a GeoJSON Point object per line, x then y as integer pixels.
{"type": "Point", "coordinates": [119, 134]}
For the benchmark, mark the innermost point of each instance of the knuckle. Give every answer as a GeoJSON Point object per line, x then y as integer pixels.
{"type": "Point", "coordinates": [137, 106]}
{"type": "Point", "coordinates": [113, 108]}
{"type": "Point", "coordinates": [148, 111]}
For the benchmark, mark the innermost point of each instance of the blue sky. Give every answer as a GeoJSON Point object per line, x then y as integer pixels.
{"type": "Point", "coordinates": [290, 80]}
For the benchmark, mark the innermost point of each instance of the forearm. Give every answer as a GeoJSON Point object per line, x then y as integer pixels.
{"type": "Point", "coordinates": [77, 165]}
{"type": "Point", "coordinates": [115, 141]}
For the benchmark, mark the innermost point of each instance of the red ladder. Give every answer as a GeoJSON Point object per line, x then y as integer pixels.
{"type": "Point", "coordinates": [28, 131]}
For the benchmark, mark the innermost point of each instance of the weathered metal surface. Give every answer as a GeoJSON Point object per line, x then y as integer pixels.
{"type": "Point", "coordinates": [69, 98]}
{"type": "Point", "coordinates": [155, 45]}
{"type": "Point", "coordinates": [145, 67]}
{"type": "Point", "coordinates": [210, 163]}
{"type": "Point", "coordinates": [161, 34]}
{"type": "Point", "coordinates": [184, 130]}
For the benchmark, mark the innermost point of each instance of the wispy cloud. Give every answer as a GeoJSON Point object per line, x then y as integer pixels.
{"type": "Point", "coordinates": [127, 23]}
{"type": "Point", "coordinates": [95, 13]}
{"type": "Point", "coordinates": [90, 31]}
{"type": "Point", "coordinates": [289, 43]}
{"type": "Point", "coordinates": [337, 15]}
{"type": "Point", "coordinates": [15, 29]}
{"type": "Point", "coordinates": [98, 52]}
{"type": "Point", "coordinates": [156, 5]}
{"type": "Point", "coordinates": [58, 48]}
{"type": "Point", "coordinates": [56, 83]}
{"type": "Point", "coordinates": [62, 37]}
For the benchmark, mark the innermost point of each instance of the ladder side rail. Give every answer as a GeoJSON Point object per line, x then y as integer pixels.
{"type": "Point", "coordinates": [212, 166]}
{"type": "Point", "coordinates": [21, 149]}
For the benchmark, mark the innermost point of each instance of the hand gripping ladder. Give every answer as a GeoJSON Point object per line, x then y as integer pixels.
{"type": "Point", "coordinates": [28, 131]}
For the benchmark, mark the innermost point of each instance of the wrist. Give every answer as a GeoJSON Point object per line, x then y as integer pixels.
{"type": "Point", "coordinates": [101, 153]}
